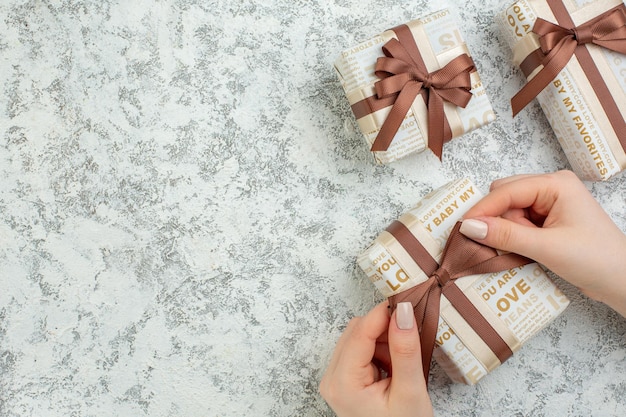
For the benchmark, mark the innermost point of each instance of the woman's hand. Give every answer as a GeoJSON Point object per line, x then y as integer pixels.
{"type": "Point", "coordinates": [371, 346]}
{"type": "Point", "coordinates": [553, 219]}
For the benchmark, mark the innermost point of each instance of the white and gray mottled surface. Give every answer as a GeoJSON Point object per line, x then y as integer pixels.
{"type": "Point", "coordinates": [183, 194]}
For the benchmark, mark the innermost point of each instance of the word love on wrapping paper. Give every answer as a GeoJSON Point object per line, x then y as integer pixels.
{"type": "Point", "coordinates": [461, 257]}
{"type": "Point", "coordinates": [403, 76]}
{"type": "Point", "coordinates": [559, 43]}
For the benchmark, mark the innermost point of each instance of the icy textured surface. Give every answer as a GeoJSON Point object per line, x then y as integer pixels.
{"type": "Point", "coordinates": [184, 192]}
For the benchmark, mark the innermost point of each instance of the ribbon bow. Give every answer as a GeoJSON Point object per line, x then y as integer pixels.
{"type": "Point", "coordinates": [461, 257]}
{"type": "Point", "coordinates": [406, 77]}
{"type": "Point", "coordinates": [559, 45]}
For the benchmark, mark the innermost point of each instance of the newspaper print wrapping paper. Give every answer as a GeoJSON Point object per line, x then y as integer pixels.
{"type": "Point", "coordinates": [570, 103]}
{"type": "Point", "coordinates": [518, 302]}
{"type": "Point", "coordinates": [439, 40]}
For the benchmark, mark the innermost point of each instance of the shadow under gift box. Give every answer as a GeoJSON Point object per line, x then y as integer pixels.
{"type": "Point", "coordinates": [439, 41]}
{"type": "Point", "coordinates": [517, 302]}
{"type": "Point", "coordinates": [586, 102]}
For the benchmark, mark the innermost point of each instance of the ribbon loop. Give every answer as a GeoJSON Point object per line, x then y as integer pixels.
{"type": "Point", "coordinates": [461, 257]}
{"type": "Point", "coordinates": [402, 72]}
{"type": "Point", "coordinates": [559, 45]}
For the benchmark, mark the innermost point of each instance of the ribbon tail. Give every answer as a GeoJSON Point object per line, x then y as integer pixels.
{"type": "Point", "coordinates": [396, 117]}
{"type": "Point", "coordinates": [438, 128]}
{"type": "Point", "coordinates": [425, 299]}
{"type": "Point", "coordinates": [554, 62]}
{"type": "Point", "coordinates": [428, 333]}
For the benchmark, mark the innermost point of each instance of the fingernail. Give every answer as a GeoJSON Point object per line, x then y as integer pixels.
{"type": "Point", "coordinates": [404, 316]}
{"type": "Point", "coordinates": [474, 229]}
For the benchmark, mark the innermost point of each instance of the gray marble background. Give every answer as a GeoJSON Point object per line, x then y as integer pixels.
{"type": "Point", "coordinates": [183, 194]}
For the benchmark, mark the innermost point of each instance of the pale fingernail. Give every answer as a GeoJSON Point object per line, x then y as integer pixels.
{"type": "Point", "coordinates": [404, 316]}
{"type": "Point", "coordinates": [474, 229]}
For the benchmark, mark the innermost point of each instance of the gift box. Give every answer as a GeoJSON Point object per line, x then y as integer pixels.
{"type": "Point", "coordinates": [474, 305]}
{"type": "Point", "coordinates": [572, 53]}
{"type": "Point", "coordinates": [412, 87]}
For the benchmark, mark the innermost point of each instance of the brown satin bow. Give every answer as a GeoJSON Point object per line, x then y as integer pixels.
{"type": "Point", "coordinates": [461, 257]}
{"type": "Point", "coordinates": [559, 44]}
{"type": "Point", "coordinates": [406, 77]}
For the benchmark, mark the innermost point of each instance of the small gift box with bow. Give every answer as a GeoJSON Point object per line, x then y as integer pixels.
{"type": "Point", "coordinates": [474, 306]}
{"type": "Point", "coordinates": [412, 87]}
{"type": "Point", "coordinates": [573, 53]}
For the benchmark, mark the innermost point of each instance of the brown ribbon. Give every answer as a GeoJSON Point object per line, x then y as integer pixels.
{"type": "Point", "coordinates": [404, 76]}
{"type": "Point", "coordinates": [559, 44]}
{"type": "Point", "coordinates": [461, 257]}
{"type": "Point", "coordinates": [532, 61]}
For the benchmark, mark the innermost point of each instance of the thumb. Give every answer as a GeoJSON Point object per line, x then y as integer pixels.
{"type": "Point", "coordinates": [506, 235]}
{"type": "Point", "coordinates": [406, 353]}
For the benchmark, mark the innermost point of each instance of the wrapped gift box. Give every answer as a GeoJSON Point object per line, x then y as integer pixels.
{"type": "Point", "coordinates": [517, 302]}
{"type": "Point", "coordinates": [586, 101]}
{"type": "Point", "coordinates": [432, 42]}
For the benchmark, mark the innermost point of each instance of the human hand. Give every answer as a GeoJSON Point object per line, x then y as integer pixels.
{"type": "Point", "coordinates": [553, 219]}
{"type": "Point", "coordinates": [353, 384]}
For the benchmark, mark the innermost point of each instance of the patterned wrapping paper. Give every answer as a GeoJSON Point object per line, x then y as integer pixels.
{"type": "Point", "coordinates": [439, 41]}
{"type": "Point", "coordinates": [592, 141]}
{"type": "Point", "coordinates": [517, 303]}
